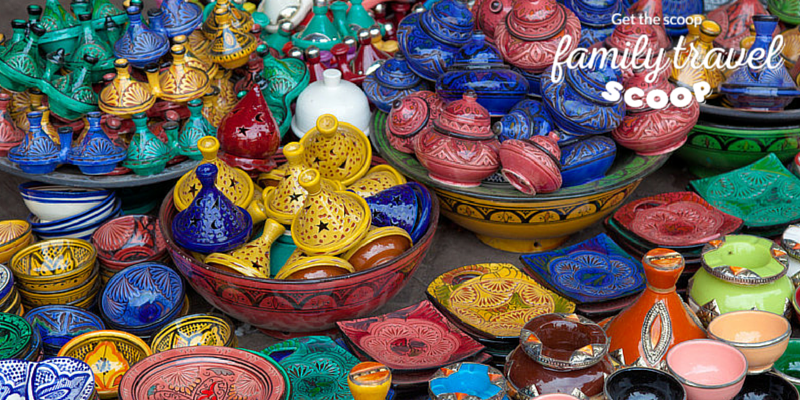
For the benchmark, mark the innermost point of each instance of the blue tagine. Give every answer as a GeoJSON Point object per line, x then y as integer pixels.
{"type": "Point", "coordinates": [587, 160]}
{"type": "Point", "coordinates": [95, 153]}
{"type": "Point", "coordinates": [393, 81]}
{"type": "Point", "coordinates": [597, 18]}
{"type": "Point", "coordinates": [39, 153]}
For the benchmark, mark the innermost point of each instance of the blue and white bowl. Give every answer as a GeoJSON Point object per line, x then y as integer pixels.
{"type": "Point", "coordinates": [79, 227]}
{"type": "Point", "coordinates": [53, 203]}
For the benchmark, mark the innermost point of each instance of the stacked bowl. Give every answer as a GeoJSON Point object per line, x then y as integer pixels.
{"type": "Point", "coordinates": [67, 212]}
{"type": "Point", "coordinates": [20, 340]}
{"type": "Point", "coordinates": [15, 235]}
{"type": "Point", "coordinates": [128, 240]}
{"type": "Point", "coordinates": [10, 300]}
{"type": "Point", "coordinates": [57, 271]}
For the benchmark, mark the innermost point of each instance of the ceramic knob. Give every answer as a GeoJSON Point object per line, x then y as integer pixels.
{"type": "Point", "coordinates": [369, 381]}
{"type": "Point", "coordinates": [662, 268]}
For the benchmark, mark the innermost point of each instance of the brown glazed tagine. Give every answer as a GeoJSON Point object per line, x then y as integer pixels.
{"type": "Point", "coordinates": [642, 334]}
{"type": "Point", "coordinates": [559, 353]}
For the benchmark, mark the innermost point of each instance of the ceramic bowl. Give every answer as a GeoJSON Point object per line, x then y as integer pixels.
{"type": "Point", "coordinates": [638, 383]}
{"type": "Point", "coordinates": [270, 303]}
{"type": "Point", "coordinates": [788, 366]}
{"type": "Point", "coordinates": [14, 236]}
{"type": "Point", "coordinates": [55, 264]}
{"type": "Point", "coordinates": [381, 245]}
{"type": "Point", "coordinates": [708, 369]}
{"type": "Point", "coordinates": [129, 240]}
{"type": "Point", "coordinates": [57, 325]}
{"type": "Point", "coordinates": [767, 386]}
{"type": "Point", "coordinates": [17, 336]}
{"type": "Point", "coordinates": [92, 217]}
{"type": "Point", "coordinates": [470, 379]}
{"type": "Point", "coordinates": [760, 335]}
{"type": "Point", "coordinates": [47, 379]}
{"type": "Point", "coordinates": [87, 289]}
{"type": "Point", "coordinates": [52, 203]}
{"type": "Point", "coordinates": [507, 219]}
{"type": "Point", "coordinates": [195, 330]}
{"type": "Point", "coordinates": [110, 354]}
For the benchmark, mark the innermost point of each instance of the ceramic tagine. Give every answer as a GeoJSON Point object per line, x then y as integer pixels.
{"type": "Point", "coordinates": [125, 96]}
{"type": "Point", "coordinates": [532, 31]}
{"type": "Point", "coordinates": [230, 48]}
{"type": "Point", "coordinates": [559, 353]}
{"type": "Point", "coordinates": [319, 31]}
{"type": "Point", "coordinates": [284, 80]}
{"type": "Point", "coordinates": [253, 258]}
{"type": "Point", "coordinates": [95, 153]}
{"type": "Point", "coordinates": [335, 96]}
{"type": "Point", "coordinates": [649, 131]}
{"type": "Point", "coordinates": [410, 116]}
{"type": "Point", "coordinates": [179, 83]}
{"type": "Point", "coordinates": [596, 17]}
{"type": "Point", "coordinates": [734, 19]}
{"type": "Point", "coordinates": [643, 333]}
{"type": "Point", "coordinates": [147, 154]}
{"type": "Point", "coordinates": [393, 81]}
{"type": "Point", "coordinates": [181, 17]}
{"type": "Point", "coordinates": [193, 129]}
{"type": "Point", "coordinates": [197, 57]}
{"type": "Point", "coordinates": [140, 45]}
{"type": "Point", "coordinates": [479, 67]}
{"type": "Point", "coordinates": [624, 39]}
{"type": "Point", "coordinates": [459, 149]}
{"type": "Point", "coordinates": [249, 135]}
{"type": "Point", "coordinates": [430, 39]}
{"type": "Point", "coordinates": [39, 153]}
{"type": "Point", "coordinates": [489, 14]}
{"type": "Point", "coordinates": [532, 166]}
{"type": "Point", "coordinates": [330, 222]}
{"type": "Point", "coordinates": [10, 135]}
{"type": "Point", "coordinates": [741, 272]}
{"type": "Point", "coordinates": [338, 150]}
{"type": "Point", "coordinates": [768, 86]}
{"type": "Point", "coordinates": [587, 160]}
{"type": "Point", "coordinates": [526, 119]}
{"type": "Point", "coordinates": [292, 12]}
{"type": "Point", "coordinates": [240, 21]}
{"type": "Point", "coordinates": [688, 75]}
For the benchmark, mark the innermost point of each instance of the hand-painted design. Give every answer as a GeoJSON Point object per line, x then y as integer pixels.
{"type": "Point", "coordinates": [38, 152]}
{"type": "Point", "coordinates": [51, 258]}
{"type": "Point", "coordinates": [125, 95]}
{"type": "Point", "coordinates": [108, 365]}
{"type": "Point", "coordinates": [57, 325]}
{"type": "Point", "coordinates": [339, 150]}
{"type": "Point", "coordinates": [62, 378]}
{"type": "Point", "coordinates": [656, 334]}
{"type": "Point", "coordinates": [139, 44]}
{"type": "Point", "coordinates": [713, 258]}
{"type": "Point", "coordinates": [181, 17]}
{"type": "Point", "coordinates": [15, 336]}
{"type": "Point", "coordinates": [284, 80]}
{"type": "Point", "coordinates": [128, 239]}
{"type": "Point", "coordinates": [450, 382]}
{"type": "Point", "coordinates": [141, 295]}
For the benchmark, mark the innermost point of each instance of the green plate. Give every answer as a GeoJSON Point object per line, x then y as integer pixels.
{"type": "Point", "coordinates": [16, 335]}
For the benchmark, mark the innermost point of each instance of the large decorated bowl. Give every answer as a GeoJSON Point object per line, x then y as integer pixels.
{"type": "Point", "coordinates": [510, 220]}
{"type": "Point", "coordinates": [296, 305]}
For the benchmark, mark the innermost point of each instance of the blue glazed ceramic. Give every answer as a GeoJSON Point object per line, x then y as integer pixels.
{"type": "Point", "coordinates": [406, 206]}
{"type": "Point", "coordinates": [35, 351]}
{"type": "Point", "coordinates": [57, 325]}
{"type": "Point", "coordinates": [528, 118]}
{"type": "Point", "coordinates": [181, 17]}
{"type": "Point", "coordinates": [61, 378]}
{"type": "Point", "coordinates": [534, 81]}
{"type": "Point", "coordinates": [6, 281]}
{"type": "Point", "coordinates": [596, 270]}
{"type": "Point", "coordinates": [14, 376]}
{"type": "Point", "coordinates": [587, 160]}
{"type": "Point", "coordinates": [96, 154]}
{"type": "Point", "coordinates": [391, 82]}
{"type": "Point", "coordinates": [476, 381]}
{"type": "Point", "coordinates": [430, 39]}
{"type": "Point", "coordinates": [479, 67]}
{"type": "Point", "coordinates": [155, 20]}
{"type": "Point", "coordinates": [596, 18]}
{"type": "Point", "coordinates": [575, 102]}
{"type": "Point", "coordinates": [764, 88]}
{"type": "Point", "coordinates": [38, 153]}
{"type": "Point", "coordinates": [212, 223]}
{"type": "Point", "coordinates": [142, 298]}
{"type": "Point", "coordinates": [675, 9]}
{"type": "Point", "coordinates": [139, 44]}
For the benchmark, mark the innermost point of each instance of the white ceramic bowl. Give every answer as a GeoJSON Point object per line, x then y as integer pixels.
{"type": "Point", "coordinates": [52, 203]}
{"type": "Point", "coordinates": [101, 212]}
{"type": "Point", "coordinates": [84, 232]}
{"type": "Point", "coordinates": [332, 95]}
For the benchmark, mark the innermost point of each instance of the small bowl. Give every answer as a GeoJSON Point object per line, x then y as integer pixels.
{"type": "Point", "coordinates": [315, 267]}
{"type": "Point", "coordinates": [57, 264]}
{"type": "Point", "coordinates": [91, 219]}
{"type": "Point", "coordinates": [768, 386]}
{"type": "Point", "coordinates": [637, 383]}
{"type": "Point", "coordinates": [89, 288]}
{"type": "Point", "coordinates": [381, 245]}
{"type": "Point", "coordinates": [708, 369]}
{"type": "Point", "coordinates": [110, 354]}
{"type": "Point", "coordinates": [51, 203]}
{"type": "Point", "coordinates": [58, 324]}
{"type": "Point", "coordinates": [14, 234]}
{"type": "Point", "coordinates": [195, 330]}
{"type": "Point", "coordinates": [129, 240]}
{"type": "Point", "coordinates": [760, 335]}
{"type": "Point", "coordinates": [788, 366]}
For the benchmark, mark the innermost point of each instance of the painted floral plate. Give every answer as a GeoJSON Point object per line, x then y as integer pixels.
{"type": "Point", "coordinates": [410, 339]}
{"type": "Point", "coordinates": [596, 270]}
{"type": "Point", "coordinates": [493, 300]}
{"type": "Point", "coordinates": [764, 194]}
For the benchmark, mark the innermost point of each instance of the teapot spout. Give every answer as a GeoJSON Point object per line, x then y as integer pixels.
{"type": "Point", "coordinates": [152, 79]}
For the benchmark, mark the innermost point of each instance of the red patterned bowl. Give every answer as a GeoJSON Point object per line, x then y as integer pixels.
{"type": "Point", "coordinates": [296, 306]}
{"type": "Point", "coordinates": [129, 240]}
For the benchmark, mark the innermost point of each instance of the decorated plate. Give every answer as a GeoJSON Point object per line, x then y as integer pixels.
{"type": "Point", "coordinates": [413, 338]}
{"type": "Point", "coordinates": [16, 336]}
{"type": "Point", "coordinates": [596, 270]}
{"type": "Point", "coordinates": [62, 378]}
{"type": "Point", "coordinates": [495, 300]}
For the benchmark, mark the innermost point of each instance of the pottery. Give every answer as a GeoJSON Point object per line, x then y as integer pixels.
{"type": "Point", "coordinates": [489, 14]}
{"type": "Point", "coordinates": [57, 325]}
{"type": "Point", "coordinates": [767, 386]}
{"type": "Point", "coordinates": [292, 11]}
{"type": "Point", "coordinates": [392, 81]}
{"type": "Point", "coordinates": [256, 253]}
{"type": "Point", "coordinates": [40, 379]}
{"type": "Point", "coordinates": [79, 226]}
{"type": "Point", "coordinates": [407, 206]}
{"type": "Point", "coordinates": [708, 369]}
{"type": "Point", "coordinates": [14, 236]}
{"type": "Point", "coordinates": [532, 166]}
{"type": "Point", "coordinates": [319, 31]}
{"type": "Point", "coordinates": [430, 39]}
{"type": "Point", "coordinates": [734, 19]}
{"type": "Point", "coordinates": [423, 335]}
{"type": "Point", "coordinates": [38, 153]}
{"type": "Point", "coordinates": [470, 379]}
{"type": "Point", "coordinates": [688, 76]}
{"type": "Point", "coordinates": [339, 150]}
{"type": "Point", "coordinates": [230, 47]}
{"type": "Point", "coordinates": [194, 129]}
{"type": "Point", "coordinates": [377, 179]}
{"type": "Point", "coordinates": [640, 383]}
{"type": "Point", "coordinates": [62, 263]}
{"type": "Point", "coordinates": [786, 365]}
{"type": "Point", "coordinates": [459, 150]}
{"type": "Point", "coordinates": [410, 116]}
{"type": "Point", "coordinates": [664, 318]}
{"type": "Point", "coordinates": [240, 20]}
{"type": "Point", "coordinates": [249, 135]}
{"type": "Point", "coordinates": [284, 80]}
{"type": "Point", "coordinates": [125, 96]}
{"type": "Point", "coordinates": [381, 245]}
{"type": "Point", "coordinates": [586, 160]}
{"type": "Point", "coordinates": [140, 44]}
{"type": "Point", "coordinates": [196, 53]}
{"type": "Point", "coordinates": [790, 241]}
{"type": "Point", "coordinates": [760, 335]}
{"type": "Point", "coordinates": [343, 99]}
{"type": "Point", "coordinates": [448, 293]}
{"type": "Point", "coordinates": [129, 240]}
{"type": "Point", "coordinates": [367, 59]}
{"type": "Point", "coordinates": [314, 267]}
{"type": "Point", "coordinates": [21, 65]}
{"type": "Point", "coordinates": [19, 334]}
{"type": "Point", "coordinates": [85, 289]}
{"type": "Point", "coordinates": [525, 120]}
{"type": "Point", "coordinates": [96, 154]}
{"type": "Point", "coordinates": [369, 381]}
{"type": "Point", "coordinates": [179, 83]}
{"type": "Point", "coordinates": [10, 135]}
{"type": "Point", "coordinates": [330, 222]}
{"type": "Point", "coordinates": [597, 19]}
{"type": "Point", "coordinates": [91, 44]}
{"type": "Point", "coordinates": [316, 366]}
{"type": "Point", "coordinates": [181, 17]}
{"type": "Point", "coordinates": [195, 330]}
{"type": "Point", "coordinates": [147, 154]}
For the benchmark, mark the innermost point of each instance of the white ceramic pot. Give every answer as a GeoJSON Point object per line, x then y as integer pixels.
{"type": "Point", "coordinates": [55, 203]}
{"type": "Point", "coordinates": [293, 11]}
{"type": "Point", "coordinates": [332, 95]}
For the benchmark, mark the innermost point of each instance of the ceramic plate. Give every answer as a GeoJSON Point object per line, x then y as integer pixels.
{"type": "Point", "coordinates": [204, 372]}
{"type": "Point", "coordinates": [16, 336]}
{"type": "Point", "coordinates": [495, 300]}
{"type": "Point", "coordinates": [595, 270]}
{"type": "Point", "coordinates": [413, 338]}
{"type": "Point", "coordinates": [764, 194]}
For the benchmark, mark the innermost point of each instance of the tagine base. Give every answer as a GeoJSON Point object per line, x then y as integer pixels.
{"type": "Point", "coordinates": [332, 333]}
{"type": "Point", "coordinates": [522, 245]}
{"type": "Point", "coordinates": [448, 182]}
{"type": "Point", "coordinates": [667, 150]}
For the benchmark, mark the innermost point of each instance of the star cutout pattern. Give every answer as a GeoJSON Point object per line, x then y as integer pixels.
{"type": "Point", "coordinates": [322, 226]}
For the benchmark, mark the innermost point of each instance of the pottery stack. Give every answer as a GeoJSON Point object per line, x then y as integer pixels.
{"type": "Point", "coordinates": [126, 241]}
{"type": "Point", "coordinates": [10, 299]}
{"type": "Point", "coordinates": [67, 212]}
{"type": "Point", "coordinates": [22, 342]}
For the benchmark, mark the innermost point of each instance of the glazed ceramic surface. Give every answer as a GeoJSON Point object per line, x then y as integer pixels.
{"type": "Point", "coordinates": [195, 330]}
{"type": "Point", "coordinates": [408, 118]}
{"type": "Point", "coordinates": [407, 206]}
{"type": "Point", "coordinates": [471, 379]}
{"type": "Point", "coordinates": [58, 378]}
{"type": "Point", "coordinates": [18, 333]}
{"type": "Point", "coordinates": [767, 386]}
{"type": "Point", "coordinates": [426, 338]}
{"type": "Point", "coordinates": [788, 365]}
{"type": "Point", "coordinates": [708, 369]}
{"type": "Point", "coordinates": [53, 260]}
{"type": "Point", "coordinates": [335, 96]}
{"type": "Point", "coordinates": [339, 150]}
{"type": "Point", "coordinates": [57, 325]}
{"type": "Point", "coordinates": [128, 240]}
{"type": "Point", "coordinates": [526, 119]}
{"type": "Point", "coordinates": [532, 166]}
{"type": "Point", "coordinates": [249, 134]}
{"type": "Point", "coordinates": [587, 160]}
{"type": "Point", "coordinates": [760, 335]}
{"type": "Point", "coordinates": [639, 383]}
{"type": "Point", "coordinates": [467, 294]}
{"type": "Point", "coordinates": [370, 381]}
{"type": "Point", "coordinates": [393, 81]}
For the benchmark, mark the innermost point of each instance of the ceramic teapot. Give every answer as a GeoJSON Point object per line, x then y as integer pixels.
{"type": "Point", "coordinates": [410, 116]}
{"type": "Point", "coordinates": [393, 81]}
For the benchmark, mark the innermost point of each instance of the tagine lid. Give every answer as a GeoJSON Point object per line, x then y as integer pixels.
{"type": "Point", "coordinates": [451, 21]}
{"type": "Point", "coordinates": [478, 53]}
{"type": "Point", "coordinates": [413, 112]}
{"type": "Point", "coordinates": [466, 119]}
{"type": "Point", "coordinates": [767, 262]}
{"type": "Point", "coordinates": [339, 150]}
{"type": "Point", "coordinates": [125, 95]}
{"type": "Point", "coordinates": [233, 182]}
{"type": "Point", "coordinates": [536, 19]}
{"type": "Point", "coordinates": [395, 74]}
{"type": "Point", "coordinates": [329, 223]}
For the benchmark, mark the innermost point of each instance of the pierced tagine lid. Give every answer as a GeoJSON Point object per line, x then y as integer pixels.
{"type": "Point", "coordinates": [719, 255]}
{"type": "Point", "coordinates": [339, 151]}
{"type": "Point", "coordinates": [329, 223]}
{"type": "Point", "coordinates": [642, 334]}
{"type": "Point", "coordinates": [379, 178]}
{"type": "Point", "coordinates": [532, 31]}
{"type": "Point", "coordinates": [234, 183]}
{"type": "Point", "coordinates": [212, 223]}
{"type": "Point", "coordinates": [125, 96]}
{"type": "Point", "coordinates": [410, 116]}
{"type": "Point", "coordinates": [249, 134]}
{"type": "Point", "coordinates": [284, 201]}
